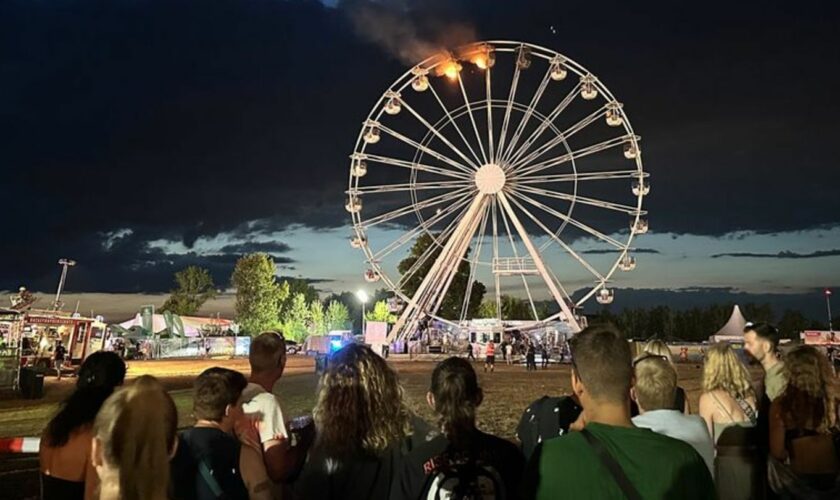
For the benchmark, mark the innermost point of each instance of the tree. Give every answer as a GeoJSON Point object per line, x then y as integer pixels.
{"type": "Point", "coordinates": [487, 309]}
{"type": "Point", "coordinates": [380, 312]}
{"type": "Point", "coordinates": [317, 318]}
{"type": "Point", "coordinates": [296, 286]}
{"type": "Point", "coordinates": [792, 323]}
{"type": "Point", "coordinates": [195, 287]}
{"type": "Point", "coordinates": [454, 299]}
{"type": "Point", "coordinates": [258, 295]}
{"type": "Point", "coordinates": [337, 316]}
{"type": "Point", "coordinates": [296, 319]}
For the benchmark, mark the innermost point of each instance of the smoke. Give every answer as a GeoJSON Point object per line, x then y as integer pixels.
{"type": "Point", "coordinates": [403, 33]}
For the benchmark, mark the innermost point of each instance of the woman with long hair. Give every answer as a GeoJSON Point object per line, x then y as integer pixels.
{"type": "Point", "coordinates": [805, 429]}
{"type": "Point", "coordinates": [134, 439]}
{"type": "Point", "coordinates": [361, 423]}
{"type": "Point", "coordinates": [728, 405]}
{"type": "Point", "coordinates": [64, 454]}
{"type": "Point", "coordinates": [461, 461]}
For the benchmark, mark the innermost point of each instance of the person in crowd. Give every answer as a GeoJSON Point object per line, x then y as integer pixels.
{"type": "Point", "coordinates": [470, 351]}
{"type": "Point", "coordinates": [64, 452]}
{"type": "Point", "coordinates": [728, 405]}
{"type": "Point", "coordinates": [490, 356]}
{"type": "Point", "coordinates": [509, 353]}
{"type": "Point", "coordinates": [530, 356]}
{"type": "Point", "coordinates": [267, 358]}
{"type": "Point", "coordinates": [546, 355]}
{"type": "Point", "coordinates": [211, 462]}
{"type": "Point", "coordinates": [654, 388]}
{"type": "Point", "coordinates": [610, 457]}
{"type": "Point", "coordinates": [460, 460]}
{"type": "Point", "coordinates": [804, 429]}
{"type": "Point", "coordinates": [657, 347]}
{"type": "Point", "coordinates": [361, 424]}
{"type": "Point", "coordinates": [59, 353]}
{"type": "Point", "coordinates": [134, 438]}
{"type": "Point", "coordinates": [761, 340]}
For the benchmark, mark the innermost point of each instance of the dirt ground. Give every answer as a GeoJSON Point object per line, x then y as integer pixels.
{"type": "Point", "coordinates": [507, 391]}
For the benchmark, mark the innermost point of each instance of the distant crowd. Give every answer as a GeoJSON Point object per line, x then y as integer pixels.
{"type": "Point", "coordinates": [625, 431]}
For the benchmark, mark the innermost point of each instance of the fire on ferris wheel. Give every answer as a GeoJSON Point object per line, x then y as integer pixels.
{"type": "Point", "coordinates": [518, 163]}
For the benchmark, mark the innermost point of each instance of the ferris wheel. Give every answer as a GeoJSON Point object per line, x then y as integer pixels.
{"type": "Point", "coordinates": [519, 167]}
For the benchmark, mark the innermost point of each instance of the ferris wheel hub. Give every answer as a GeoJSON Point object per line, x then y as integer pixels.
{"type": "Point", "coordinates": [490, 179]}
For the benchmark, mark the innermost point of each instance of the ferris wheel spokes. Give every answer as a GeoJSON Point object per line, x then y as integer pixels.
{"type": "Point", "coordinates": [524, 169]}
{"type": "Point", "coordinates": [570, 220]}
{"type": "Point", "coordinates": [554, 236]}
{"type": "Point", "coordinates": [517, 159]}
{"type": "Point", "coordinates": [426, 149]}
{"type": "Point", "coordinates": [427, 203]}
{"type": "Point", "coordinates": [581, 176]}
{"type": "Point", "coordinates": [618, 207]}
{"type": "Point", "coordinates": [454, 124]}
{"type": "Point", "coordinates": [537, 133]}
{"type": "Point", "coordinates": [472, 118]}
{"type": "Point", "coordinates": [523, 122]}
{"type": "Point", "coordinates": [426, 225]}
{"type": "Point", "coordinates": [396, 162]}
{"type": "Point", "coordinates": [408, 186]}
{"type": "Point", "coordinates": [443, 236]}
{"type": "Point", "coordinates": [538, 262]}
{"type": "Point", "coordinates": [515, 256]}
{"type": "Point", "coordinates": [440, 136]}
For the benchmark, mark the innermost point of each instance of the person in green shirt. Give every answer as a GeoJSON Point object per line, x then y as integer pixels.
{"type": "Point", "coordinates": [761, 340]}
{"type": "Point", "coordinates": [654, 466]}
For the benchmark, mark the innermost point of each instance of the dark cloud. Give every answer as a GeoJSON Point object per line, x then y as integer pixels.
{"type": "Point", "coordinates": [784, 254]}
{"type": "Point", "coordinates": [270, 247]}
{"type": "Point", "coordinates": [598, 251]}
{"type": "Point", "coordinates": [180, 120]}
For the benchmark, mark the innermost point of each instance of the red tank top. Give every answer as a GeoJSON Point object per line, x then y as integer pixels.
{"type": "Point", "coordinates": [491, 349]}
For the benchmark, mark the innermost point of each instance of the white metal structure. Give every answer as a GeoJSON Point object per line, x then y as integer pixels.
{"type": "Point", "coordinates": [492, 150]}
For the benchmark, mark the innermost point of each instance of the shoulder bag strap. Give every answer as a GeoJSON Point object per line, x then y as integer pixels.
{"type": "Point", "coordinates": [209, 480]}
{"type": "Point", "coordinates": [612, 466]}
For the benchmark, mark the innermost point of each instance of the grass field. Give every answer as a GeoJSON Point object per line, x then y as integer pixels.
{"type": "Point", "coordinates": [507, 391]}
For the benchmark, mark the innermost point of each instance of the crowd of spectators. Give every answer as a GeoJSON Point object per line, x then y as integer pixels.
{"type": "Point", "coordinates": [625, 431]}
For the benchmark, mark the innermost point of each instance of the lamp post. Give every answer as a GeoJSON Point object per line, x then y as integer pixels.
{"type": "Point", "coordinates": [828, 307]}
{"type": "Point", "coordinates": [64, 263]}
{"type": "Point", "coordinates": [363, 298]}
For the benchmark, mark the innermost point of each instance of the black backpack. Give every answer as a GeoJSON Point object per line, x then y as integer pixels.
{"type": "Point", "coordinates": [470, 480]}
{"type": "Point", "coordinates": [546, 418]}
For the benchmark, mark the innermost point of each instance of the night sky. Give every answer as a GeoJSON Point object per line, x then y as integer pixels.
{"type": "Point", "coordinates": [139, 137]}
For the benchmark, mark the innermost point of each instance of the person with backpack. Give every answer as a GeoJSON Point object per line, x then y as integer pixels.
{"type": "Point", "coordinates": [460, 462]}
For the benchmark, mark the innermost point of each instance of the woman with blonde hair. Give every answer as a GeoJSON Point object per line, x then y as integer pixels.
{"type": "Point", "coordinates": [134, 439]}
{"type": "Point", "coordinates": [805, 429]}
{"type": "Point", "coordinates": [728, 405]}
{"type": "Point", "coordinates": [361, 423]}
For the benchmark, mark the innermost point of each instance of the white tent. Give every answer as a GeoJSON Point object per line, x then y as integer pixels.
{"type": "Point", "coordinates": [158, 325]}
{"type": "Point", "coordinates": [733, 329]}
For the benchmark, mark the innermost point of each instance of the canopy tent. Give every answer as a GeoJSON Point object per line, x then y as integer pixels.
{"type": "Point", "coordinates": [733, 329]}
{"type": "Point", "coordinates": [158, 325]}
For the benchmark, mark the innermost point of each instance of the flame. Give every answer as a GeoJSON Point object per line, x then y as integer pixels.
{"type": "Point", "coordinates": [480, 61]}
{"type": "Point", "coordinates": [451, 69]}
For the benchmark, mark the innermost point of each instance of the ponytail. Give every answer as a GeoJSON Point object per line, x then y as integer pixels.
{"type": "Point", "coordinates": [137, 427]}
{"type": "Point", "coordinates": [457, 396]}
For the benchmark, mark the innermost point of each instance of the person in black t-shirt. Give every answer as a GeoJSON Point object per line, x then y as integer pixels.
{"type": "Point", "coordinates": [211, 463]}
{"type": "Point", "coordinates": [462, 461]}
